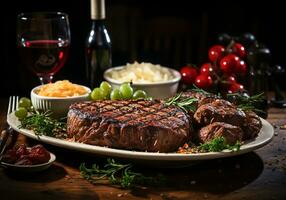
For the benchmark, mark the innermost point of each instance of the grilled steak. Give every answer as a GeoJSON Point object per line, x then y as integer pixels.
{"type": "Point", "coordinates": [231, 133]}
{"type": "Point", "coordinates": [219, 111]}
{"type": "Point", "coordinates": [132, 124]}
{"type": "Point", "coordinates": [252, 126]}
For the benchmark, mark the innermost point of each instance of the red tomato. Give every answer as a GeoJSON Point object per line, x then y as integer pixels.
{"type": "Point", "coordinates": [229, 63]}
{"type": "Point", "coordinates": [227, 81]}
{"type": "Point", "coordinates": [206, 69]}
{"type": "Point", "coordinates": [39, 155]}
{"type": "Point", "coordinates": [235, 88]}
{"type": "Point", "coordinates": [203, 81]}
{"type": "Point", "coordinates": [216, 53]}
{"type": "Point", "coordinates": [21, 150]}
{"type": "Point", "coordinates": [241, 68]}
{"type": "Point", "coordinates": [189, 74]}
{"type": "Point", "coordinates": [239, 50]}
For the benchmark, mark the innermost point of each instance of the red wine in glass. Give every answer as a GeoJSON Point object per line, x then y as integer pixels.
{"type": "Point", "coordinates": [44, 57]}
{"type": "Point", "coordinates": [43, 40]}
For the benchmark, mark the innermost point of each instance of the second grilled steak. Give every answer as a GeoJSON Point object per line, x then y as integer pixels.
{"type": "Point", "coordinates": [134, 124]}
{"type": "Point", "coordinates": [252, 126]}
{"type": "Point", "coordinates": [219, 111]}
{"type": "Point", "coordinates": [231, 133]}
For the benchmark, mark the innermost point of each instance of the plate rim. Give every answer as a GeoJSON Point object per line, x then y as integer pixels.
{"type": "Point", "coordinates": [265, 136]}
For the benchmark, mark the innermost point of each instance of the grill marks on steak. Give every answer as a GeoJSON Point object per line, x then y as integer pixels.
{"type": "Point", "coordinates": [153, 126]}
{"type": "Point", "coordinates": [135, 125]}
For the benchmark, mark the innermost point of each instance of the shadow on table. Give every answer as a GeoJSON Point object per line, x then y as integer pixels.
{"type": "Point", "coordinates": [53, 173]}
{"type": "Point", "coordinates": [217, 177]}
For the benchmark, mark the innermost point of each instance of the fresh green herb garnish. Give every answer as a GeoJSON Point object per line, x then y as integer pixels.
{"type": "Point", "coordinates": [218, 144]}
{"type": "Point", "coordinates": [43, 124]}
{"type": "Point", "coordinates": [246, 103]}
{"type": "Point", "coordinates": [202, 91]}
{"type": "Point", "coordinates": [117, 174]}
{"type": "Point", "coordinates": [187, 104]}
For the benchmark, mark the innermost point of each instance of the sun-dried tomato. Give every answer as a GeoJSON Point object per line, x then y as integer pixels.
{"type": "Point", "coordinates": [21, 155]}
{"type": "Point", "coordinates": [38, 154]}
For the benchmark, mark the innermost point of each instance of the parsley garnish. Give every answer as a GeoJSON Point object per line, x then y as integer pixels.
{"type": "Point", "coordinates": [218, 144]}
{"type": "Point", "coordinates": [43, 124]}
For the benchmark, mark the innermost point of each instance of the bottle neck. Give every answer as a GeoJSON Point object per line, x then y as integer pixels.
{"type": "Point", "coordinates": [97, 9]}
{"type": "Point", "coordinates": [96, 23]}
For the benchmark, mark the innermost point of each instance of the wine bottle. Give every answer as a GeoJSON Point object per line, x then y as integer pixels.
{"type": "Point", "coordinates": [98, 45]}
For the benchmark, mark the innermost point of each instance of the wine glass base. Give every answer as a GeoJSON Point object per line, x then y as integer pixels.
{"type": "Point", "coordinates": [46, 79]}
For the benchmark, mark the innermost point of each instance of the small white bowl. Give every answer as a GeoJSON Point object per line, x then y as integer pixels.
{"type": "Point", "coordinates": [159, 90]}
{"type": "Point", "coordinates": [30, 168]}
{"type": "Point", "coordinates": [59, 106]}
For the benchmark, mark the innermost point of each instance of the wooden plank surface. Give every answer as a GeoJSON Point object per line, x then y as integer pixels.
{"type": "Point", "coordinates": [256, 175]}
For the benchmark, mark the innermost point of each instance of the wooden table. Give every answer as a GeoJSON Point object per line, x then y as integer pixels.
{"type": "Point", "coordinates": [257, 175]}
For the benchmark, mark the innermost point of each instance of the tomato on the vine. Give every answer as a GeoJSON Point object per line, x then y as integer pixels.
{"type": "Point", "coordinates": [206, 69]}
{"type": "Point", "coordinates": [203, 81]}
{"type": "Point", "coordinates": [216, 53]}
{"type": "Point", "coordinates": [189, 74]}
{"type": "Point", "coordinates": [235, 88]}
{"type": "Point", "coordinates": [229, 63]}
{"type": "Point", "coordinates": [226, 63]}
{"type": "Point", "coordinates": [241, 68]}
{"type": "Point", "coordinates": [239, 50]}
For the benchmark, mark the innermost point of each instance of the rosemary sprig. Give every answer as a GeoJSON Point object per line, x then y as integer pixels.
{"type": "Point", "coordinates": [42, 124]}
{"type": "Point", "coordinates": [200, 90]}
{"type": "Point", "coordinates": [246, 103]}
{"type": "Point", "coordinates": [218, 144]}
{"type": "Point", "coordinates": [187, 104]}
{"type": "Point", "coordinates": [117, 174]}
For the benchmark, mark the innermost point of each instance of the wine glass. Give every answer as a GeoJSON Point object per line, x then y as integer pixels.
{"type": "Point", "coordinates": [43, 40]}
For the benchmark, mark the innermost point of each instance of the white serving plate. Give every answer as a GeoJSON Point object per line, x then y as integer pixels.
{"type": "Point", "coordinates": [264, 137]}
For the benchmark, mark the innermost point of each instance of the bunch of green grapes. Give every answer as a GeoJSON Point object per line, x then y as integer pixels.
{"type": "Point", "coordinates": [125, 91]}
{"type": "Point", "coordinates": [24, 106]}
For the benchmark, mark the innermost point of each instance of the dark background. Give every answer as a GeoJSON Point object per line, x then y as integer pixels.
{"type": "Point", "coordinates": [170, 33]}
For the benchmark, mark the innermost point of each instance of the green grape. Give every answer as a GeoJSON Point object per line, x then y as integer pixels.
{"type": "Point", "coordinates": [115, 94]}
{"type": "Point", "coordinates": [21, 112]}
{"type": "Point", "coordinates": [106, 87]}
{"type": "Point", "coordinates": [25, 102]}
{"type": "Point", "coordinates": [126, 91]}
{"type": "Point", "coordinates": [105, 94]}
{"type": "Point", "coordinates": [139, 94]}
{"type": "Point", "coordinates": [97, 94]}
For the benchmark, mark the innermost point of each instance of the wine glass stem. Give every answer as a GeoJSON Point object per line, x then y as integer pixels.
{"type": "Point", "coordinates": [46, 79]}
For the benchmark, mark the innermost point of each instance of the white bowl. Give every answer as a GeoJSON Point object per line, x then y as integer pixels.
{"type": "Point", "coordinates": [30, 168]}
{"type": "Point", "coordinates": [59, 106]}
{"type": "Point", "coordinates": [159, 90]}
